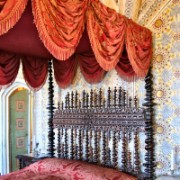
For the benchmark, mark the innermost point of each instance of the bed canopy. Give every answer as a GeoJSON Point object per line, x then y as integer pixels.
{"type": "Point", "coordinates": [71, 33]}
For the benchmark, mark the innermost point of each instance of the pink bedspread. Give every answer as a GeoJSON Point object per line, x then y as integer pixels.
{"type": "Point", "coordinates": [60, 169]}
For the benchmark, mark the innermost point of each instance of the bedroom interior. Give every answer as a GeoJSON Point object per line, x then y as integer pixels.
{"type": "Point", "coordinates": [86, 74]}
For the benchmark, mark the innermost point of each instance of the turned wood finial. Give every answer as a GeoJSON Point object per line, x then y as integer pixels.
{"type": "Point", "coordinates": [87, 100]}
{"type": "Point", "coordinates": [95, 100]}
{"type": "Point", "coordinates": [76, 100]}
{"type": "Point", "coordinates": [79, 104]}
{"type": "Point", "coordinates": [84, 99]}
{"type": "Point", "coordinates": [109, 98]}
{"type": "Point", "coordinates": [72, 99]}
{"type": "Point", "coordinates": [115, 96]}
{"type": "Point", "coordinates": [135, 102]}
{"type": "Point", "coordinates": [130, 102]}
{"type": "Point", "coordinates": [124, 98]}
{"type": "Point", "coordinates": [104, 103]}
{"type": "Point", "coordinates": [120, 97]}
{"type": "Point", "coordinates": [58, 105]}
{"type": "Point", "coordinates": [68, 100]}
{"type": "Point", "coordinates": [62, 105]}
{"type": "Point", "coordinates": [100, 97]}
{"type": "Point", "coordinates": [91, 98]}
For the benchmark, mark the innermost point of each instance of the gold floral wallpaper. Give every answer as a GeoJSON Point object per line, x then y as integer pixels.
{"type": "Point", "coordinates": [162, 17]}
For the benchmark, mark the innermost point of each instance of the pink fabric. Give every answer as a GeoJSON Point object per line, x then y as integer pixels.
{"type": "Point", "coordinates": [54, 169]}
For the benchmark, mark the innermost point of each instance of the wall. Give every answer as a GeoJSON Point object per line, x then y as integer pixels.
{"type": "Point", "coordinates": [163, 18]}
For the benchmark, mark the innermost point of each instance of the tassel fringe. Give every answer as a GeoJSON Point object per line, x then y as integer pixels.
{"type": "Point", "coordinates": [12, 17]}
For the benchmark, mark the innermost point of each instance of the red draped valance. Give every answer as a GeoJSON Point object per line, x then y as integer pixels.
{"type": "Point", "coordinates": [73, 33]}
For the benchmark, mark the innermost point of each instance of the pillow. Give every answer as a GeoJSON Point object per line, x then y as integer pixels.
{"type": "Point", "coordinates": [77, 170]}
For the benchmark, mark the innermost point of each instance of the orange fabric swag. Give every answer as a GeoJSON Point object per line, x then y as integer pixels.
{"type": "Point", "coordinates": [10, 13]}
{"type": "Point", "coordinates": [61, 23]}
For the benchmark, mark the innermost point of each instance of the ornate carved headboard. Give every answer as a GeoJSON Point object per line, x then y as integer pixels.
{"type": "Point", "coordinates": [105, 131]}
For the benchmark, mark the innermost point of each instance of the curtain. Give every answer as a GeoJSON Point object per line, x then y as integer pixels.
{"type": "Point", "coordinates": [9, 66]}
{"type": "Point", "coordinates": [10, 13]}
{"type": "Point", "coordinates": [106, 30]}
{"type": "Point", "coordinates": [90, 69]}
{"type": "Point", "coordinates": [139, 47]}
{"type": "Point", "coordinates": [123, 67]}
{"type": "Point", "coordinates": [64, 71]}
{"type": "Point", "coordinates": [60, 25]}
{"type": "Point", "coordinates": [35, 71]}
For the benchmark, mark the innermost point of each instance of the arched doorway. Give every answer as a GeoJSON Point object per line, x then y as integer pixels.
{"type": "Point", "coordinates": [8, 122]}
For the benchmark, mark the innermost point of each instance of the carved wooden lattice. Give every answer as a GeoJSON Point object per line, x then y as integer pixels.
{"type": "Point", "coordinates": [100, 130]}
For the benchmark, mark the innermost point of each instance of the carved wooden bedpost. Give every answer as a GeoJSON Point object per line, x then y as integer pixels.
{"type": "Point", "coordinates": [149, 156]}
{"type": "Point", "coordinates": [50, 108]}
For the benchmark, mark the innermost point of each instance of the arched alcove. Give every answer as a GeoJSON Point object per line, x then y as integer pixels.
{"type": "Point", "coordinates": [4, 125]}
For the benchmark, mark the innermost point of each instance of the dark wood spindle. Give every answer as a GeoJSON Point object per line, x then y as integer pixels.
{"type": "Point", "coordinates": [115, 150]}
{"type": "Point", "coordinates": [115, 97]}
{"type": "Point", "coordinates": [91, 98]}
{"type": "Point", "coordinates": [136, 154]}
{"type": "Point", "coordinates": [149, 155]}
{"type": "Point", "coordinates": [109, 98]}
{"type": "Point", "coordinates": [72, 100]}
{"type": "Point", "coordinates": [76, 100]}
{"type": "Point", "coordinates": [50, 107]}
{"type": "Point", "coordinates": [65, 144]}
{"type": "Point", "coordinates": [120, 97]}
{"type": "Point", "coordinates": [103, 148]}
{"type": "Point", "coordinates": [123, 155]}
{"type": "Point", "coordinates": [95, 158]}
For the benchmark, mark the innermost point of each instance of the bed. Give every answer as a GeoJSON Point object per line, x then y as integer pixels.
{"type": "Point", "coordinates": [97, 137]}
{"type": "Point", "coordinates": [93, 130]}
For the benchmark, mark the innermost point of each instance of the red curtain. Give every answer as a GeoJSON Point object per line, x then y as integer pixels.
{"type": "Point", "coordinates": [90, 68]}
{"type": "Point", "coordinates": [123, 67]}
{"type": "Point", "coordinates": [9, 66]}
{"type": "Point", "coordinates": [64, 71]}
{"type": "Point", "coordinates": [35, 71]}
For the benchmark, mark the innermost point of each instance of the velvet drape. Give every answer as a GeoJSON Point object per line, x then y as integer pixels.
{"type": "Point", "coordinates": [35, 71]}
{"type": "Point", "coordinates": [9, 66]}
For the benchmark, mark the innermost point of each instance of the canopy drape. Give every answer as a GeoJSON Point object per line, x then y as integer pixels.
{"type": "Point", "coordinates": [64, 27]}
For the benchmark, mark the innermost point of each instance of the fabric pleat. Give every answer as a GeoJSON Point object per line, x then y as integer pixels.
{"type": "Point", "coordinates": [10, 12]}
{"type": "Point", "coordinates": [64, 71]}
{"type": "Point", "coordinates": [60, 25]}
{"type": "Point", "coordinates": [9, 66]}
{"type": "Point", "coordinates": [90, 68]}
{"type": "Point", "coordinates": [35, 71]}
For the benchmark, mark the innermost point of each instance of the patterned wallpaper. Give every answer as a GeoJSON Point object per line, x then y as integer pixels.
{"type": "Point", "coordinates": [163, 18]}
